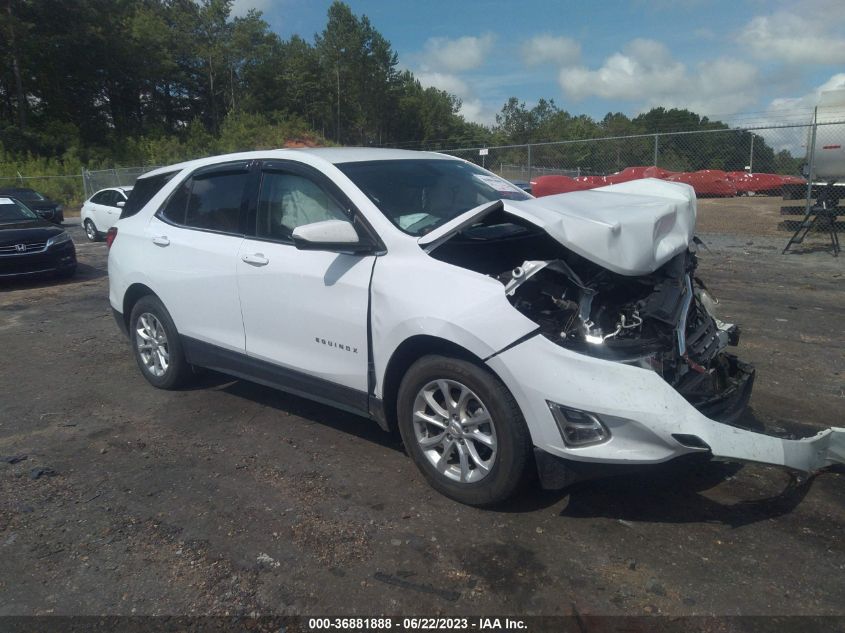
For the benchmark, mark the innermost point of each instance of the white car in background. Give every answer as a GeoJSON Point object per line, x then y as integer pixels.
{"type": "Point", "coordinates": [500, 333]}
{"type": "Point", "coordinates": [102, 210]}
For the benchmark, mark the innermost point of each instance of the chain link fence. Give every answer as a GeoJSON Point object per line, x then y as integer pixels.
{"type": "Point", "coordinates": [73, 189]}
{"type": "Point", "coordinates": [776, 150]}
{"type": "Point", "coordinates": [93, 181]}
{"type": "Point", "coordinates": [61, 188]}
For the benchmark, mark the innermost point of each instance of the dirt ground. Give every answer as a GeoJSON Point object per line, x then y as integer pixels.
{"type": "Point", "coordinates": [231, 498]}
{"type": "Point", "coordinates": [745, 215]}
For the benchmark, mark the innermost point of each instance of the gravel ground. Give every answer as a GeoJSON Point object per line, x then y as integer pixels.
{"type": "Point", "coordinates": [231, 498]}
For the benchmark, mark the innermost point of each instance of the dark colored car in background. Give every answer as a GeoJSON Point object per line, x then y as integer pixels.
{"type": "Point", "coordinates": [31, 246]}
{"type": "Point", "coordinates": [48, 209]}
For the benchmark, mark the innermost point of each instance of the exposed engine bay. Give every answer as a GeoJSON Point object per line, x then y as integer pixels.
{"type": "Point", "coordinates": [664, 321]}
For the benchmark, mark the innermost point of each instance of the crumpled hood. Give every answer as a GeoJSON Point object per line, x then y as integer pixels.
{"type": "Point", "coordinates": [632, 228]}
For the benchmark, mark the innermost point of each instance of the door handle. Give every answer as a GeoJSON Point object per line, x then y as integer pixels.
{"type": "Point", "coordinates": [256, 259]}
{"type": "Point", "coordinates": [161, 240]}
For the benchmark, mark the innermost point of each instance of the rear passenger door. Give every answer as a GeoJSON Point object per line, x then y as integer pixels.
{"type": "Point", "coordinates": [194, 241]}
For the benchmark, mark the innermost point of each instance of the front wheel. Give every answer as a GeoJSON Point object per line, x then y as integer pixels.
{"type": "Point", "coordinates": [464, 430]}
{"type": "Point", "coordinates": [156, 345]}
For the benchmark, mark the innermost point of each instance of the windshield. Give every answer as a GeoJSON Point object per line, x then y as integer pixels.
{"type": "Point", "coordinates": [27, 194]}
{"type": "Point", "coordinates": [14, 211]}
{"type": "Point", "coordinates": [418, 195]}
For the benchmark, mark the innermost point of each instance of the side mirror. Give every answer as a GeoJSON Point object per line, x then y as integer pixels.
{"type": "Point", "coordinates": [121, 204]}
{"type": "Point", "coordinates": [329, 235]}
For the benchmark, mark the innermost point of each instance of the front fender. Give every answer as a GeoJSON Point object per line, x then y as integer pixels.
{"type": "Point", "coordinates": [416, 295]}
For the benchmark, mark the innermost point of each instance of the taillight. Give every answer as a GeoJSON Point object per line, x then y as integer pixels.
{"type": "Point", "coordinates": [110, 236]}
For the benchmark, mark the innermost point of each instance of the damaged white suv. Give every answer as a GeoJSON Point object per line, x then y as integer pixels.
{"type": "Point", "coordinates": [498, 332]}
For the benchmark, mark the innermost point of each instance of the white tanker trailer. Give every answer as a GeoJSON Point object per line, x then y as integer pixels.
{"type": "Point", "coordinates": [825, 167]}
{"type": "Point", "coordinates": [826, 153]}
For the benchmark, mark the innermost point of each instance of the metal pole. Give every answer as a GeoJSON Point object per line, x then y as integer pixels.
{"type": "Point", "coordinates": [806, 224]}
{"type": "Point", "coordinates": [811, 162]}
{"type": "Point", "coordinates": [656, 145]}
{"type": "Point", "coordinates": [751, 157]}
{"type": "Point", "coordinates": [529, 162]}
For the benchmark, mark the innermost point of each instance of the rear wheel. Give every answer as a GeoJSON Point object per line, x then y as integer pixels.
{"type": "Point", "coordinates": [156, 345]}
{"type": "Point", "coordinates": [463, 430]}
{"type": "Point", "coordinates": [91, 231]}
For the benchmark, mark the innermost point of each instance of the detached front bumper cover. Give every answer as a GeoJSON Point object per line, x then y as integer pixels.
{"type": "Point", "coordinates": [807, 455]}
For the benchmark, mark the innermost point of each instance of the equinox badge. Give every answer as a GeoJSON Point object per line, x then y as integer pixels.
{"type": "Point", "coordinates": [340, 346]}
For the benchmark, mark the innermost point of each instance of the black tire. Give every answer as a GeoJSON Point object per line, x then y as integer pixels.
{"type": "Point", "coordinates": [91, 231]}
{"type": "Point", "coordinates": [178, 370]}
{"type": "Point", "coordinates": [510, 466]}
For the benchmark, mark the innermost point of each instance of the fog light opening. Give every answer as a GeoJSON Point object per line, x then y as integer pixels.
{"type": "Point", "coordinates": [578, 428]}
{"type": "Point", "coordinates": [691, 441]}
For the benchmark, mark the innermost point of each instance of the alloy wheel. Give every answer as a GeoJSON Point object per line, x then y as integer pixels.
{"type": "Point", "coordinates": [455, 431]}
{"type": "Point", "coordinates": [151, 340]}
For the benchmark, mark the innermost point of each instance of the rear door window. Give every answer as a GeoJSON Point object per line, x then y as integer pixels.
{"type": "Point", "coordinates": [215, 201]}
{"type": "Point", "coordinates": [212, 199]}
{"type": "Point", "coordinates": [177, 204]}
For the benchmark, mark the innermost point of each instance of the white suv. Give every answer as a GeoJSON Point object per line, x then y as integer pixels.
{"type": "Point", "coordinates": [498, 332]}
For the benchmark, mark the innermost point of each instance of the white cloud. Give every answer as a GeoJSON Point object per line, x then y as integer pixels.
{"type": "Point", "coordinates": [783, 113]}
{"type": "Point", "coordinates": [643, 69]}
{"type": "Point", "coordinates": [442, 60]}
{"type": "Point", "coordinates": [241, 7]}
{"type": "Point", "coordinates": [645, 72]}
{"type": "Point", "coordinates": [559, 50]}
{"type": "Point", "coordinates": [786, 110]}
{"type": "Point", "coordinates": [455, 55]}
{"type": "Point", "coordinates": [805, 103]}
{"type": "Point", "coordinates": [443, 81]}
{"type": "Point", "coordinates": [472, 108]}
{"type": "Point", "coordinates": [796, 38]}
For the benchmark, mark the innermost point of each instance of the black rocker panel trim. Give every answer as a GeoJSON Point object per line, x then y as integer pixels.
{"type": "Point", "coordinates": [271, 375]}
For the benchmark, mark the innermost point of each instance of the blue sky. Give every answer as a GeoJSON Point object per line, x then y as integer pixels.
{"type": "Point", "coordinates": [746, 61]}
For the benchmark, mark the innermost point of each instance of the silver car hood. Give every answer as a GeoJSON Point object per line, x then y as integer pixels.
{"type": "Point", "coordinates": [631, 228]}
